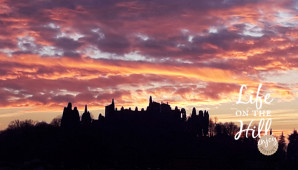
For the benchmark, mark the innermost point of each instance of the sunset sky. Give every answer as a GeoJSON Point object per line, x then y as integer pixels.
{"type": "Point", "coordinates": [187, 53]}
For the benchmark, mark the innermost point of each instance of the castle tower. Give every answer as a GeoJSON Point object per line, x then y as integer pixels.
{"type": "Point", "coordinates": [110, 109]}
{"type": "Point", "coordinates": [70, 118]}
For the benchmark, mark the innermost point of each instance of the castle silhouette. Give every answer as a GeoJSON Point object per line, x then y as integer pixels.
{"type": "Point", "coordinates": [156, 138]}
{"type": "Point", "coordinates": [155, 112]}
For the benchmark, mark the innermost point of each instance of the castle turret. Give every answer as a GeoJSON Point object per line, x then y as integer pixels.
{"type": "Point", "coordinates": [85, 109]}
{"type": "Point", "coordinates": [86, 117]}
{"type": "Point", "coordinates": [69, 106]}
{"type": "Point", "coordinates": [193, 114]}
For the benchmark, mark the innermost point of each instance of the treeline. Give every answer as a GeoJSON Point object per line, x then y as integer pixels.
{"type": "Point", "coordinates": [29, 145]}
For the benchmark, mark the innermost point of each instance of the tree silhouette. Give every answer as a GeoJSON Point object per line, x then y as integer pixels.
{"type": "Point", "coordinates": [200, 123]}
{"type": "Point", "coordinates": [21, 124]}
{"type": "Point", "coordinates": [206, 123]}
{"type": "Point", "coordinates": [211, 127]}
{"type": "Point", "coordinates": [292, 151]}
{"type": "Point", "coordinates": [56, 122]}
{"type": "Point", "coordinates": [282, 146]}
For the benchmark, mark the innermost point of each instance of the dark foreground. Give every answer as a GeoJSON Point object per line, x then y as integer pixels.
{"type": "Point", "coordinates": [129, 146]}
